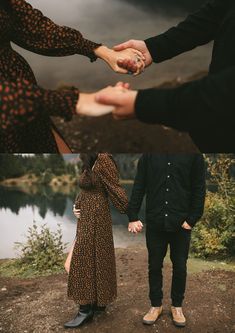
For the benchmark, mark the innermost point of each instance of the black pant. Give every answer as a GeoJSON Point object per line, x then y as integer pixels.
{"type": "Point", "coordinates": [157, 243]}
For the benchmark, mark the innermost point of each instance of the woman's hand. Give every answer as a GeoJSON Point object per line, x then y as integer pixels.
{"type": "Point", "coordinates": [77, 212]}
{"type": "Point", "coordinates": [88, 106]}
{"type": "Point", "coordinates": [113, 58]}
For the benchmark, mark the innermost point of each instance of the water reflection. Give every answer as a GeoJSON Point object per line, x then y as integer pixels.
{"type": "Point", "coordinates": [44, 199]}
{"type": "Point", "coordinates": [19, 208]}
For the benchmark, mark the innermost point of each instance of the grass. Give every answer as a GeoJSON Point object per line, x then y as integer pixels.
{"type": "Point", "coordinates": [16, 268]}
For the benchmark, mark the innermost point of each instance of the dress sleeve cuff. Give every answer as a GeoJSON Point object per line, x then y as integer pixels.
{"type": "Point", "coordinates": [88, 49]}
{"type": "Point", "coordinates": [61, 103]}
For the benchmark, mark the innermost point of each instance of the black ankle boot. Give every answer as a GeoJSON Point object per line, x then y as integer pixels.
{"type": "Point", "coordinates": [84, 315]}
{"type": "Point", "coordinates": [97, 308]}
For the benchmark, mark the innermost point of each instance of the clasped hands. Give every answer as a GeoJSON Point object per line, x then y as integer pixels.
{"type": "Point", "coordinates": [130, 57]}
{"type": "Point", "coordinates": [137, 226]}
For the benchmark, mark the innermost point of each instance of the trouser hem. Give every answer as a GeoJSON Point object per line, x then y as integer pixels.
{"type": "Point", "coordinates": [156, 304]}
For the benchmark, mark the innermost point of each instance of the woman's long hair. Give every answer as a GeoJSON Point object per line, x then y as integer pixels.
{"type": "Point", "coordinates": [88, 161]}
{"type": "Point", "coordinates": [6, 5]}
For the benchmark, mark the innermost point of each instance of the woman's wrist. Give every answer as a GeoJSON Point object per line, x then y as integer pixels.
{"type": "Point", "coordinates": [103, 52]}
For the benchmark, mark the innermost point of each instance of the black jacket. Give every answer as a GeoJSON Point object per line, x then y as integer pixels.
{"type": "Point", "coordinates": [204, 108]}
{"type": "Point", "coordinates": [174, 185]}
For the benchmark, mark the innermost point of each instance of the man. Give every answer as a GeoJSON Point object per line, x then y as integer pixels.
{"type": "Point", "coordinates": [174, 186]}
{"type": "Point", "coordinates": [204, 108]}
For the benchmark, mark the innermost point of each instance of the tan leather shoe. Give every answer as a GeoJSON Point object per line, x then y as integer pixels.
{"type": "Point", "coordinates": [153, 314]}
{"type": "Point", "coordinates": [178, 316]}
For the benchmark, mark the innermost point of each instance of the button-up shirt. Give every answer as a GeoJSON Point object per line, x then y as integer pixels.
{"type": "Point", "coordinates": [174, 185]}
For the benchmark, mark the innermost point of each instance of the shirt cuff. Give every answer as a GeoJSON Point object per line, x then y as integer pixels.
{"type": "Point", "coordinates": [151, 106]}
{"type": "Point", "coordinates": [158, 48]}
{"type": "Point", "coordinates": [132, 217]}
{"type": "Point", "coordinates": [191, 221]}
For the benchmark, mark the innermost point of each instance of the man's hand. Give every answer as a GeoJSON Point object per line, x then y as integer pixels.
{"type": "Point", "coordinates": [137, 45]}
{"type": "Point", "coordinates": [186, 226]}
{"type": "Point", "coordinates": [135, 227]}
{"type": "Point", "coordinates": [122, 99]}
{"type": "Point", "coordinates": [88, 106]}
{"type": "Point", "coordinates": [128, 55]}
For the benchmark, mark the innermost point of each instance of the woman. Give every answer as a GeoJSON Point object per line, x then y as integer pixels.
{"type": "Point", "coordinates": [92, 276]}
{"type": "Point", "coordinates": [25, 124]}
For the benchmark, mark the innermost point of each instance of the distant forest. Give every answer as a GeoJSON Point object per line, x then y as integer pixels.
{"type": "Point", "coordinates": [14, 166]}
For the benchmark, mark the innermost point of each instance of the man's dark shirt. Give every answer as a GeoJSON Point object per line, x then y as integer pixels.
{"type": "Point", "coordinates": [174, 186]}
{"type": "Point", "coordinates": [205, 108]}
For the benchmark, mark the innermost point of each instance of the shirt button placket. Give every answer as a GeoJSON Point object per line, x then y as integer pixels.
{"type": "Point", "coordinates": [167, 191]}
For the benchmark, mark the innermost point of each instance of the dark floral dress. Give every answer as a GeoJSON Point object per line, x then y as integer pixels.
{"type": "Point", "coordinates": [92, 277]}
{"type": "Point", "coordinates": [25, 108]}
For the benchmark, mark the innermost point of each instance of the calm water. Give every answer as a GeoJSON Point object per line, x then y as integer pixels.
{"type": "Point", "coordinates": [19, 209]}
{"type": "Point", "coordinates": [111, 22]}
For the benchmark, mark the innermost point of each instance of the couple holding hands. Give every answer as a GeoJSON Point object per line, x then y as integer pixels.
{"type": "Point", "coordinates": [204, 108]}
{"type": "Point", "coordinates": [174, 185]}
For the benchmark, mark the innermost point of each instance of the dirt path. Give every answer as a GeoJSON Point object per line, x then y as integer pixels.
{"type": "Point", "coordinates": [40, 305]}
{"type": "Point", "coordinates": [106, 134]}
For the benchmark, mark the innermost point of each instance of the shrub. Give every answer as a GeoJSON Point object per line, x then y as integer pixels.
{"type": "Point", "coordinates": [43, 251]}
{"type": "Point", "coordinates": [214, 235]}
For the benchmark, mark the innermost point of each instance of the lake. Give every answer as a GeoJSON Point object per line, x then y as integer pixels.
{"type": "Point", "coordinates": [18, 210]}
{"type": "Point", "coordinates": [111, 22]}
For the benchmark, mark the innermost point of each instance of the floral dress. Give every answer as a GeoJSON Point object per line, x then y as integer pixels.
{"type": "Point", "coordinates": [92, 277]}
{"type": "Point", "coordinates": [25, 108]}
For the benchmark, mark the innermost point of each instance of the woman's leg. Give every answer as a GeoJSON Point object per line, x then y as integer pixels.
{"type": "Point", "coordinates": [62, 146]}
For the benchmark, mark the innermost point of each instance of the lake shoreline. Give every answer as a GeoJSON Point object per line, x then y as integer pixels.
{"type": "Point", "coordinates": [31, 180]}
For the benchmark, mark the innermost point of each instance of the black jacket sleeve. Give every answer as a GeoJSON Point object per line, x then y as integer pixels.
{"type": "Point", "coordinates": [197, 29]}
{"type": "Point", "coordinates": [198, 181]}
{"type": "Point", "coordinates": [191, 104]}
{"type": "Point", "coordinates": [138, 191]}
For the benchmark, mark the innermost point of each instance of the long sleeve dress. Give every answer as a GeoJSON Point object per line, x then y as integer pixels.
{"type": "Point", "coordinates": [25, 108]}
{"type": "Point", "coordinates": [92, 277]}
